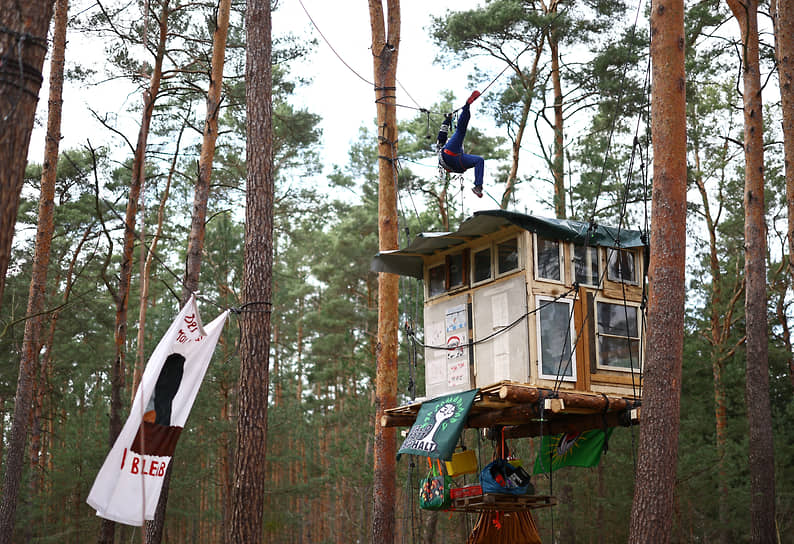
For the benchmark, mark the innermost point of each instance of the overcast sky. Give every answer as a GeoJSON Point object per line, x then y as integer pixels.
{"type": "Point", "coordinates": [339, 95]}
{"type": "Point", "coordinates": [345, 101]}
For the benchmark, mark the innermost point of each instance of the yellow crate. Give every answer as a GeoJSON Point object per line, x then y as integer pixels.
{"type": "Point", "coordinates": [464, 462]}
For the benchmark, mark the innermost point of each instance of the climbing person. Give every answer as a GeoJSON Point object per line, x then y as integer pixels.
{"type": "Point", "coordinates": [451, 156]}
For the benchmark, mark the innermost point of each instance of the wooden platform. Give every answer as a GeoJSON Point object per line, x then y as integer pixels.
{"type": "Point", "coordinates": [525, 410]}
{"type": "Point", "coordinates": [501, 503]}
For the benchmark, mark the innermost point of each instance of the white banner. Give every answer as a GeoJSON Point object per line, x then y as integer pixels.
{"type": "Point", "coordinates": [128, 485]}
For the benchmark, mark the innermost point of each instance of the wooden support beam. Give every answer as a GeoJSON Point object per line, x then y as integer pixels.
{"type": "Point", "coordinates": [559, 409]}
{"type": "Point", "coordinates": [523, 394]}
{"type": "Point", "coordinates": [512, 414]}
{"type": "Point", "coordinates": [397, 420]}
{"type": "Point", "coordinates": [570, 424]}
{"type": "Point", "coordinates": [522, 412]}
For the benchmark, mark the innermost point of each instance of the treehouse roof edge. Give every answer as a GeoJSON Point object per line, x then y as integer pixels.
{"type": "Point", "coordinates": [409, 261]}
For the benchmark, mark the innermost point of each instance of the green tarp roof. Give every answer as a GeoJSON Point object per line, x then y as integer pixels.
{"type": "Point", "coordinates": [409, 261]}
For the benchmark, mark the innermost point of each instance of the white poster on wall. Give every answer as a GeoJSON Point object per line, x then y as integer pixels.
{"type": "Point", "coordinates": [457, 333]}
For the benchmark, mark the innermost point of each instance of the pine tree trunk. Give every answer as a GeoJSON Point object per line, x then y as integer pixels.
{"type": "Point", "coordinates": [528, 84]}
{"type": "Point", "coordinates": [23, 45]}
{"type": "Point", "coordinates": [568, 528]}
{"type": "Point", "coordinates": [385, 49]}
{"type": "Point", "coordinates": [140, 362]}
{"type": "Point", "coordinates": [13, 167]}
{"type": "Point", "coordinates": [557, 167]}
{"type": "Point", "coordinates": [201, 196]}
{"type": "Point", "coordinates": [761, 455]}
{"type": "Point", "coordinates": [652, 509]}
{"type": "Point", "coordinates": [46, 371]}
{"type": "Point", "coordinates": [783, 17]}
{"type": "Point", "coordinates": [429, 527]}
{"type": "Point", "coordinates": [154, 528]}
{"type": "Point", "coordinates": [720, 321]}
{"type": "Point", "coordinates": [121, 296]}
{"type": "Point", "coordinates": [249, 474]}
{"type": "Point", "coordinates": [225, 452]}
{"type": "Point", "coordinates": [146, 267]}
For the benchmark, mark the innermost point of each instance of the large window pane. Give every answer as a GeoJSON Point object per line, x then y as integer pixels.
{"type": "Point", "coordinates": [619, 352]}
{"type": "Point", "coordinates": [617, 319]}
{"type": "Point", "coordinates": [620, 266]}
{"type": "Point", "coordinates": [455, 270]}
{"type": "Point", "coordinates": [554, 337]}
{"type": "Point", "coordinates": [585, 261]}
{"type": "Point", "coordinates": [507, 255]}
{"type": "Point", "coordinates": [436, 280]}
{"type": "Point", "coordinates": [548, 259]}
{"type": "Point", "coordinates": [482, 265]}
{"type": "Point", "coordinates": [618, 336]}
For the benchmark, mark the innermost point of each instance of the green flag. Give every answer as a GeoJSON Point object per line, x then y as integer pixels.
{"type": "Point", "coordinates": [438, 426]}
{"type": "Point", "coordinates": [571, 449]}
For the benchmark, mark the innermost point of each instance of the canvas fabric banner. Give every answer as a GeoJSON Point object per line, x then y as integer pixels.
{"type": "Point", "coordinates": [571, 449]}
{"type": "Point", "coordinates": [128, 485]}
{"type": "Point", "coordinates": [438, 426]}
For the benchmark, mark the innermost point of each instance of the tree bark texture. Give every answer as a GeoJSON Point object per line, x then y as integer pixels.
{"type": "Point", "coordinates": [147, 259]}
{"type": "Point", "coordinates": [23, 45]}
{"type": "Point", "coordinates": [202, 190]}
{"type": "Point", "coordinates": [38, 283]}
{"type": "Point", "coordinates": [385, 48]}
{"type": "Point", "coordinates": [652, 508]}
{"type": "Point", "coordinates": [528, 84]}
{"type": "Point", "coordinates": [759, 414]}
{"type": "Point", "coordinates": [720, 324]}
{"type": "Point", "coordinates": [557, 169]}
{"type": "Point", "coordinates": [154, 528]}
{"type": "Point", "coordinates": [46, 214]}
{"type": "Point", "coordinates": [248, 494]}
{"type": "Point", "coordinates": [783, 17]}
{"type": "Point", "coordinates": [125, 270]}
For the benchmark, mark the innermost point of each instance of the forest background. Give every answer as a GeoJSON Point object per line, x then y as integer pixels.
{"type": "Point", "coordinates": [321, 414]}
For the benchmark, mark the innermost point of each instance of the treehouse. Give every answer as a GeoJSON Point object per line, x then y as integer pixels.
{"type": "Point", "coordinates": [538, 314]}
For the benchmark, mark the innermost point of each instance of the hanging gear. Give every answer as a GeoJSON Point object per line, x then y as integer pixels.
{"type": "Point", "coordinates": [443, 131]}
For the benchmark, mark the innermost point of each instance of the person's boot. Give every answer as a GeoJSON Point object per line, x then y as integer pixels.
{"type": "Point", "coordinates": [477, 190]}
{"type": "Point", "coordinates": [443, 131]}
{"type": "Point", "coordinates": [474, 96]}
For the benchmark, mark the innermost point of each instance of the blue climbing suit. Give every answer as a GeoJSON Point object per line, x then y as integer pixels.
{"type": "Point", "coordinates": [453, 158]}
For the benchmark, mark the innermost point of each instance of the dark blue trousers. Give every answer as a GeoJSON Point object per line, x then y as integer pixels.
{"type": "Point", "coordinates": [460, 161]}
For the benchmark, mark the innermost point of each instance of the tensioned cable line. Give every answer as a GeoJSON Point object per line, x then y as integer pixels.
{"type": "Point", "coordinates": [496, 333]}
{"type": "Point", "coordinates": [621, 95]}
{"type": "Point", "coordinates": [418, 107]}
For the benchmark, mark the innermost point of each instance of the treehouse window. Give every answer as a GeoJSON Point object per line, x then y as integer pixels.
{"type": "Point", "coordinates": [507, 256]}
{"type": "Point", "coordinates": [585, 264]}
{"type": "Point", "coordinates": [482, 265]}
{"type": "Point", "coordinates": [618, 337]}
{"type": "Point", "coordinates": [621, 266]}
{"type": "Point", "coordinates": [436, 280]}
{"type": "Point", "coordinates": [548, 256]}
{"type": "Point", "coordinates": [555, 338]}
{"type": "Point", "coordinates": [456, 270]}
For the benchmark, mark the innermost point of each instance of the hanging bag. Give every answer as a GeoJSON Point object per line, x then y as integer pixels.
{"type": "Point", "coordinates": [434, 489]}
{"type": "Point", "coordinates": [499, 476]}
